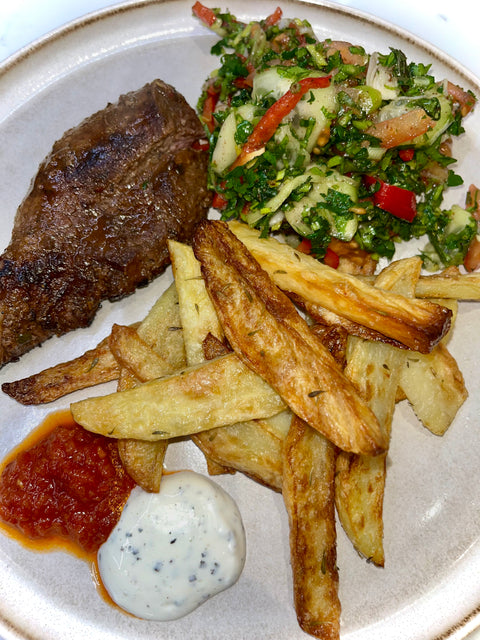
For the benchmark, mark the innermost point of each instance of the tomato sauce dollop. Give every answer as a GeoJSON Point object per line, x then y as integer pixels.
{"type": "Point", "coordinates": [64, 485]}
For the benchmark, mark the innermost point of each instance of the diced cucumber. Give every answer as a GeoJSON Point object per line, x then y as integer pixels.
{"type": "Point", "coordinates": [226, 149]}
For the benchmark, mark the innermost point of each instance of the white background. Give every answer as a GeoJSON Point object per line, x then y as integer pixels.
{"type": "Point", "coordinates": [450, 26]}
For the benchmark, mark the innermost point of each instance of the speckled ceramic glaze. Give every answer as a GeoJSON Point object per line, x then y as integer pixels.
{"type": "Point", "coordinates": [430, 586]}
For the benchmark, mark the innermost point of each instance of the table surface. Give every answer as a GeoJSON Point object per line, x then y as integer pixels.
{"type": "Point", "coordinates": [449, 26]}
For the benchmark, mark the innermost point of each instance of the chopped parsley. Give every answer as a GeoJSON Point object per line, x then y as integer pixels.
{"type": "Point", "coordinates": [306, 170]}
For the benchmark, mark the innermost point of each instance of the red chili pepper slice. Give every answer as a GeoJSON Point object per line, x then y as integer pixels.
{"type": "Point", "coordinates": [209, 107]}
{"type": "Point", "coordinates": [400, 202]}
{"type": "Point", "coordinates": [269, 122]}
{"type": "Point", "coordinates": [206, 15]}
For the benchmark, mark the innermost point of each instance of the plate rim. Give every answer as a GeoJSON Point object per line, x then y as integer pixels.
{"type": "Point", "coordinates": [471, 621]}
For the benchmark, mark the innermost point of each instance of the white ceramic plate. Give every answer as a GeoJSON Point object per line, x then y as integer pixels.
{"type": "Point", "coordinates": [430, 587]}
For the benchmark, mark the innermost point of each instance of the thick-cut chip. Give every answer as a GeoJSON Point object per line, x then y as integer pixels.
{"type": "Point", "coordinates": [94, 367]}
{"type": "Point", "coordinates": [451, 283]}
{"type": "Point", "coordinates": [360, 480]}
{"type": "Point", "coordinates": [418, 324]}
{"type": "Point", "coordinates": [161, 331]}
{"type": "Point", "coordinates": [308, 492]}
{"type": "Point", "coordinates": [220, 392]}
{"type": "Point", "coordinates": [135, 355]}
{"type": "Point", "coordinates": [197, 313]}
{"type": "Point", "coordinates": [266, 331]}
{"type": "Point", "coordinates": [253, 447]}
{"type": "Point", "coordinates": [435, 387]}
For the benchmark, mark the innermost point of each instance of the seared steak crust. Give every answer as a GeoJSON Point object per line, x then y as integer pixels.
{"type": "Point", "coordinates": [95, 223]}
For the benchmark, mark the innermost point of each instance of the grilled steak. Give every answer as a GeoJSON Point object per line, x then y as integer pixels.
{"type": "Point", "coordinates": [95, 223]}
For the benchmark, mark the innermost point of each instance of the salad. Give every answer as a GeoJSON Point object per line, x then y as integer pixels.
{"type": "Point", "coordinates": [332, 146]}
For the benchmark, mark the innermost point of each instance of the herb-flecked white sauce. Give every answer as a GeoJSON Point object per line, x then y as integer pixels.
{"type": "Point", "coordinates": [172, 550]}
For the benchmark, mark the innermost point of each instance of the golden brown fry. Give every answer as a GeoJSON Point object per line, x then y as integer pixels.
{"type": "Point", "coordinates": [197, 314]}
{"type": "Point", "coordinates": [418, 324]}
{"type": "Point", "coordinates": [308, 492]}
{"type": "Point", "coordinates": [450, 284]}
{"type": "Point", "coordinates": [94, 367]}
{"type": "Point", "coordinates": [135, 355]}
{"type": "Point", "coordinates": [253, 447]}
{"type": "Point", "coordinates": [435, 387]}
{"type": "Point", "coordinates": [143, 461]}
{"type": "Point", "coordinates": [360, 480]}
{"type": "Point", "coordinates": [161, 331]}
{"type": "Point", "coordinates": [220, 392]}
{"type": "Point", "coordinates": [268, 334]}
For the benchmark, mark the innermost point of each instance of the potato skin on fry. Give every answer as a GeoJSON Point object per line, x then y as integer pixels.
{"type": "Point", "coordinates": [418, 324]}
{"type": "Point", "coordinates": [308, 492]}
{"type": "Point", "coordinates": [271, 338]}
{"type": "Point", "coordinates": [93, 367]}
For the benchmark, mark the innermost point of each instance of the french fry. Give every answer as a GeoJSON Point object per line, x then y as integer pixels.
{"type": "Point", "coordinates": [159, 351]}
{"type": "Point", "coordinates": [449, 284]}
{"type": "Point", "coordinates": [95, 366]}
{"type": "Point", "coordinates": [418, 324]}
{"type": "Point", "coordinates": [308, 492]}
{"type": "Point", "coordinates": [360, 480]}
{"type": "Point", "coordinates": [435, 387]}
{"type": "Point", "coordinates": [253, 447]}
{"type": "Point", "coordinates": [162, 331]}
{"type": "Point", "coordinates": [266, 332]}
{"type": "Point", "coordinates": [220, 392]}
{"type": "Point", "coordinates": [197, 313]}
{"type": "Point", "coordinates": [132, 353]}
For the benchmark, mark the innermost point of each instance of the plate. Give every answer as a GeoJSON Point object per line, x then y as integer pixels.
{"type": "Point", "coordinates": [429, 587]}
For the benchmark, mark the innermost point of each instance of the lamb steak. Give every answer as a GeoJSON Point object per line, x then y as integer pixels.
{"type": "Point", "coordinates": [95, 223]}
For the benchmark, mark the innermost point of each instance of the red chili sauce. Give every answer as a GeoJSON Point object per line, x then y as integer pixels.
{"type": "Point", "coordinates": [63, 487]}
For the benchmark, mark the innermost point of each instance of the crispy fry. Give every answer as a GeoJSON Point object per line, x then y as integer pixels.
{"type": "Point", "coordinates": [135, 355]}
{"type": "Point", "coordinates": [360, 480]}
{"type": "Point", "coordinates": [197, 313]}
{"type": "Point", "coordinates": [308, 492]}
{"type": "Point", "coordinates": [253, 447]}
{"type": "Point", "coordinates": [450, 284]}
{"type": "Point", "coordinates": [435, 387]}
{"type": "Point", "coordinates": [418, 324]}
{"type": "Point", "coordinates": [266, 331]}
{"type": "Point", "coordinates": [161, 331]}
{"type": "Point", "coordinates": [220, 392]}
{"type": "Point", "coordinates": [93, 367]}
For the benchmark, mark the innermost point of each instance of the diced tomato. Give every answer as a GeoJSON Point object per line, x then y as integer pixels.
{"type": "Point", "coordinates": [203, 13]}
{"type": "Point", "coordinates": [274, 17]}
{"type": "Point", "coordinates": [400, 202]}
{"type": "Point", "coordinates": [464, 99]}
{"type": "Point", "coordinates": [305, 246]}
{"type": "Point", "coordinates": [331, 258]}
{"type": "Point", "coordinates": [406, 154]}
{"type": "Point", "coordinates": [402, 129]}
{"type": "Point", "coordinates": [219, 202]}
{"type": "Point", "coordinates": [269, 122]}
{"type": "Point", "coordinates": [472, 259]}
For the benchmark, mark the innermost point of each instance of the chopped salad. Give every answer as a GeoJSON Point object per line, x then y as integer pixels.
{"type": "Point", "coordinates": [332, 145]}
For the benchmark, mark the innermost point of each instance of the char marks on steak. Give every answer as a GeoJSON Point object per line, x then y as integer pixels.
{"type": "Point", "coordinates": [95, 223]}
